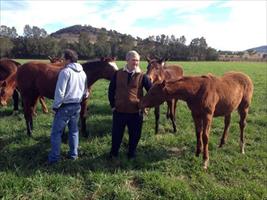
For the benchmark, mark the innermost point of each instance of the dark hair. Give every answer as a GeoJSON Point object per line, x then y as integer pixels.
{"type": "Point", "coordinates": [70, 55]}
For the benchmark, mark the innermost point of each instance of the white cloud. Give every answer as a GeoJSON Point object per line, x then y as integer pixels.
{"type": "Point", "coordinates": [244, 28]}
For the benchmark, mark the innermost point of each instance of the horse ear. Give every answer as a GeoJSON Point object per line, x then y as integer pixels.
{"type": "Point", "coordinates": [49, 57]}
{"type": "Point", "coordinates": [166, 59]}
{"type": "Point", "coordinates": [161, 61]}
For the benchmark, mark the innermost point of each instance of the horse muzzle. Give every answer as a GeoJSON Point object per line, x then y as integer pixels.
{"type": "Point", "coordinates": [3, 103]}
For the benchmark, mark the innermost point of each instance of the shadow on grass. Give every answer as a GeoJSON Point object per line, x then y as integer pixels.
{"type": "Point", "coordinates": [4, 112]}
{"type": "Point", "coordinates": [99, 109]}
{"type": "Point", "coordinates": [31, 156]}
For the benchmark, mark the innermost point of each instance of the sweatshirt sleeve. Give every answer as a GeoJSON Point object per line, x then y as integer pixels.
{"type": "Point", "coordinates": [61, 86]}
{"type": "Point", "coordinates": [86, 92]}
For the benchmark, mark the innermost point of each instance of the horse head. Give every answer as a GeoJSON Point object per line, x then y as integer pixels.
{"type": "Point", "coordinates": [155, 96]}
{"type": "Point", "coordinates": [155, 69]}
{"type": "Point", "coordinates": [7, 88]}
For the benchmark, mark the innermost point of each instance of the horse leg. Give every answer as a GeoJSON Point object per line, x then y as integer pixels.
{"type": "Point", "coordinates": [28, 118]}
{"type": "Point", "coordinates": [156, 112]}
{"type": "Point", "coordinates": [227, 120]}
{"type": "Point", "coordinates": [15, 97]}
{"type": "Point", "coordinates": [172, 113]}
{"type": "Point", "coordinates": [205, 138]}
{"type": "Point", "coordinates": [83, 118]}
{"type": "Point", "coordinates": [243, 112]}
{"type": "Point", "coordinates": [169, 105]}
{"type": "Point", "coordinates": [28, 112]}
{"type": "Point", "coordinates": [42, 102]}
{"type": "Point", "coordinates": [199, 130]}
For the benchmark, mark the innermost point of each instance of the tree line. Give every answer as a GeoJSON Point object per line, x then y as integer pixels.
{"type": "Point", "coordinates": [36, 43]}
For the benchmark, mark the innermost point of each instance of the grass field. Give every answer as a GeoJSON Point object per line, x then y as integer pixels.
{"type": "Point", "coordinates": [165, 167]}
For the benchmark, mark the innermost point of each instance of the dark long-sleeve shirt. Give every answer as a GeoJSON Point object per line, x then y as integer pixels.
{"type": "Point", "coordinates": [146, 83]}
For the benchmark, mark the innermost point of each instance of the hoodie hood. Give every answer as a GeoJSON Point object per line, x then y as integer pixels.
{"type": "Point", "coordinates": [75, 66]}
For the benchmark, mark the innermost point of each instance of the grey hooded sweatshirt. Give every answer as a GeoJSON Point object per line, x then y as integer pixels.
{"type": "Point", "coordinates": [71, 85]}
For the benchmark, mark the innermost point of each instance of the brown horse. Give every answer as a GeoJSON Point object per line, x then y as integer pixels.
{"type": "Point", "coordinates": [207, 97]}
{"type": "Point", "coordinates": [7, 68]}
{"type": "Point", "coordinates": [158, 71]}
{"type": "Point", "coordinates": [36, 79]}
{"type": "Point", "coordinates": [8, 72]}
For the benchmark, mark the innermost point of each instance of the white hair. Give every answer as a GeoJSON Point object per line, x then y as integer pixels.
{"type": "Point", "coordinates": [132, 54]}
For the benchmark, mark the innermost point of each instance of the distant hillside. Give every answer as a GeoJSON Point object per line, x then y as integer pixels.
{"type": "Point", "coordinates": [72, 33]}
{"type": "Point", "coordinates": [261, 49]}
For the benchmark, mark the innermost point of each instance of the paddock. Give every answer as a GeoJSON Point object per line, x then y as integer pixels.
{"type": "Point", "coordinates": [165, 164]}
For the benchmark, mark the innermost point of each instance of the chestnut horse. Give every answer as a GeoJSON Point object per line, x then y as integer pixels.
{"type": "Point", "coordinates": [36, 79]}
{"type": "Point", "coordinates": [7, 68]}
{"type": "Point", "coordinates": [8, 72]}
{"type": "Point", "coordinates": [157, 71]}
{"type": "Point", "coordinates": [207, 97]}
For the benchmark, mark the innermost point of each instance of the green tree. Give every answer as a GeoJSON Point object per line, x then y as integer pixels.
{"type": "Point", "coordinates": [34, 32]}
{"type": "Point", "coordinates": [212, 54]}
{"type": "Point", "coordinates": [5, 31]}
{"type": "Point", "coordinates": [198, 48]}
{"type": "Point", "coordinates": [85, 49]}
{"type": "Point", "coordinates": [6, 47]}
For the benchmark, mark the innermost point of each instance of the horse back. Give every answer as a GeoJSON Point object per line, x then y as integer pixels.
{"type": "Point", "coordinates": [37, 77]}
{"type": "Point", "coordinates": [232, 89]}
{"type": "Point", "coordinates": [7, 67]}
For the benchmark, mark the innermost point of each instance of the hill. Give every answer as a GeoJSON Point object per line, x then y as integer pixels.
{"type": "Point", "coordinates": [72, 33]}
{"type": "Point", "coordinates": [260, 49]}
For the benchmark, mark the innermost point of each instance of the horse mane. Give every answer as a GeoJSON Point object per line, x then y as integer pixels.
{"type": "Point", "coordinates": [209, 75]}
{"type": "Point", "coordinates": [16, 63]}
{"type": "Point", "coordinates": [101, 61]}
{"type": "Point", "coordinates": [11, 60]}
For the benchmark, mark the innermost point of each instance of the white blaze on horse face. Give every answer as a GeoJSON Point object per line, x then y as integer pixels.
{"type": "Point", "coordinates": [114, 65]}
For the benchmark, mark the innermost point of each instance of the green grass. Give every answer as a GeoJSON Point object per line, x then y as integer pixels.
{"type": "Point", "coordinates": [165, 167]}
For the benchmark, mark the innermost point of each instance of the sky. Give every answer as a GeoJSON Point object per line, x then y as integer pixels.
{"type": "Point", "coordinates": [233, 25]}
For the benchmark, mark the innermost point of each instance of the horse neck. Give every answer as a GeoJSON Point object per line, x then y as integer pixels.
{"type": "Point", "coordinates": [16, 63]}
{"type": "Point", "coordinates": [11, 80]}
{"type": "Point", "coordinates": [92, 78]}
{"type": "Point", "coordinates": [58, 64]}
{"type": "Point", "coordinates": [95, 72]}
{"type": "Point", "coordinates": [184, 89]}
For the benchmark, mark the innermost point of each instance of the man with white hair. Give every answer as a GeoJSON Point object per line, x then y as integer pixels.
{"type": "Point", "coordinates": [125, 91]}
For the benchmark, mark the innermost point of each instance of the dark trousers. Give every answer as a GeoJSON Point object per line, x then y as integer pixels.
{"type": "Point", "coordinates": [134, 122]}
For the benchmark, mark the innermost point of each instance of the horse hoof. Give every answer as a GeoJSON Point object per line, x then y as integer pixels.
{"type": "Point", "coordinates": [205, 164]}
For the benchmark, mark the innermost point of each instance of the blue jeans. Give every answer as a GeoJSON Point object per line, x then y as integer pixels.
{"type": "Point", "coordinates": [67, 114]}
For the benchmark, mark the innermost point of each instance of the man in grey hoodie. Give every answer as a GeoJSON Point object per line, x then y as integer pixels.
{"type": "Point", "coordinates": [71, 89]}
